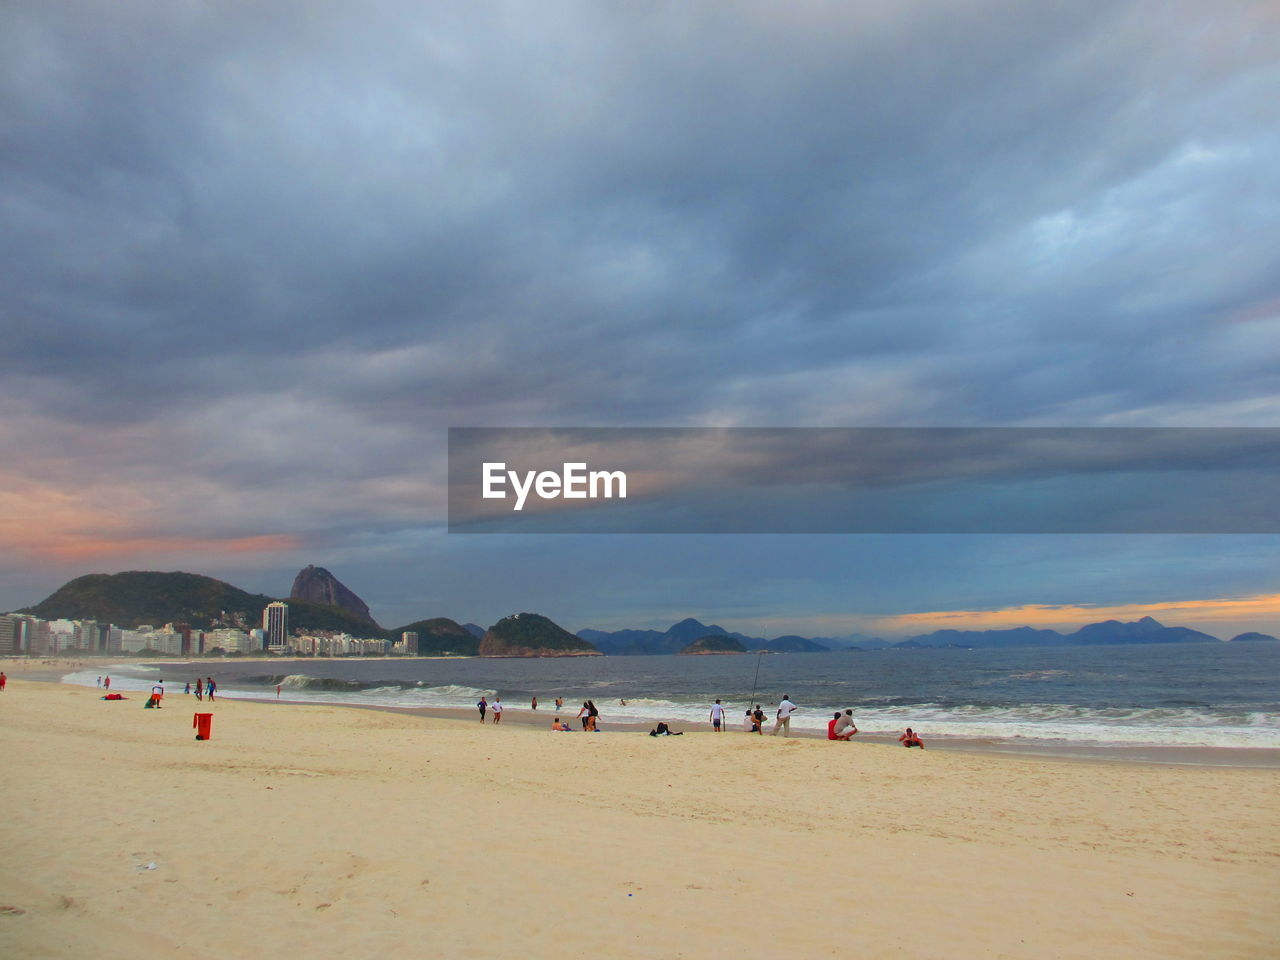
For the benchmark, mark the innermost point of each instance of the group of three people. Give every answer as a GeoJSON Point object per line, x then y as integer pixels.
{"type": "Point", "coordinates": [753, 722]}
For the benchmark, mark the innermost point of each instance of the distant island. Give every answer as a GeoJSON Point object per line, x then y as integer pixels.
{"type": "Point", "coordinates": [713, 643]}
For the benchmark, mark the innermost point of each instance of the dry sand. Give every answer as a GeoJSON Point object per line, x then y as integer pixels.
{"type": "Point", "coordinates": [337, 832]}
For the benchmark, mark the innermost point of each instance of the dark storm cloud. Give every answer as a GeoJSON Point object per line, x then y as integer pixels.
{"type": "Point", "coordinates": [595, 207]}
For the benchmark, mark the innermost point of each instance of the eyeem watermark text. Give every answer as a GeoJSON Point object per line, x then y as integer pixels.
{"type": "Point", "coordinates": [574, 482]}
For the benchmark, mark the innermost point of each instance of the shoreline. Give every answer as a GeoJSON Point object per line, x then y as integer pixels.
{"type": "Point", "coordinates": [1264, 758]}
{"type": "Point", "coordinates": [370, 831]}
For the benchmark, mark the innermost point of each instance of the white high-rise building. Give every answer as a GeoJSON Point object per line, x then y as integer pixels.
{"type": "Point", "coordinates": [275, 624]}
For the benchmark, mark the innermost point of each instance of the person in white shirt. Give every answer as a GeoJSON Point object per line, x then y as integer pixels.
{"type": "Point", "coordinates": [785, 709]}
{"type": "Point", "coordinates": [717, 716]}
{"type": "Point", "coordinates": [496, 709]}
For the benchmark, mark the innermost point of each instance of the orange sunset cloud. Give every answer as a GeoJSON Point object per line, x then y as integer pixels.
{"type": "Point", "coordinates": [47, 524]}
{"type": "Point", "coordinates": [1262, 606]}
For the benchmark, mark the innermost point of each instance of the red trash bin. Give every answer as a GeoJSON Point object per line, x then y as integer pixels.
{"type": "Point", "coordinates": [203, 723]}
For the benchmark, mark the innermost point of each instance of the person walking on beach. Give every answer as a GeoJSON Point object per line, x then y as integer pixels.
{"type": "Point", "coordinates": [209, 688]}
{"type": "Point", "coordinates": [717, 716]}
{"type": "Point", "coordinates": [277, 691]}
{"type": "Point", "coordinates": [106, 683]}
{"type": "Point", "coordinates": [497, 709]}
{"type": "Point", "coordinates": [99, 681]}
{"type": "Point", "coordinates": [593, 716]}
{"type": "Point", "coordinates": [785, 709]}
{"type": "Point", "coordinates": [482, 706]}
{"type": "Point", "coordinates": [584, 715]}
{"type": "Point", "coordinates": [187, 689]}
{"type": "Point", "coordinates": [199, 689]}
{"type": "Point", "coordinates": [3, 681]}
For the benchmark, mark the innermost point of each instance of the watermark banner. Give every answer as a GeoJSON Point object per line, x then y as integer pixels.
{"type": "Point", "coordinates": [864, 480]}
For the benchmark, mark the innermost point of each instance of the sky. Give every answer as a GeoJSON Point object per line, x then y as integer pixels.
{"type": "Point", "coordinates": [257, 258]}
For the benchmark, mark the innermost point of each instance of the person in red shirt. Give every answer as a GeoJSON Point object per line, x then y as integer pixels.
{"type": "Point", "coordinates": [910, 739]}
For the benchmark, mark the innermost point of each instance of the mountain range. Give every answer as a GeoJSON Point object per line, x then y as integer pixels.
{"type": "Point", "coordinates": [319, 601]}
{"type": "Point", "coordinates": [1107, 632]}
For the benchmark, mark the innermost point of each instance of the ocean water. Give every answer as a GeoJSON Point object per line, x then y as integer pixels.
{"type": "Point", "coordinates": [1213, 695]}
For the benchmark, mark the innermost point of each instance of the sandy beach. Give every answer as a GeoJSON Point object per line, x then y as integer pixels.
{"type": "Point", "coordinates": [344, 832]}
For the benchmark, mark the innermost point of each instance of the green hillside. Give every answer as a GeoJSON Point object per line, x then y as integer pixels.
{"type": "Point", "coordinates": [138, 597]}
{"type": "Point", "coordinates": [532, 635]}
{"type": "Point", "coordinates": [439, 636]}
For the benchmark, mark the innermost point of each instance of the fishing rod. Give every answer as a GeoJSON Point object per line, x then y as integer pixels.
{"type": "Point", "coordinates": [759, 656]}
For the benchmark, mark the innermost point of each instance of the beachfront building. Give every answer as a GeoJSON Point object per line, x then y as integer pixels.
{"type": "Point", "coordinates": [112, 639]}
{"type": "Point", "coordinates": [63, 635]}
{"type": "Point", "coordinates": [275, 624]}
{"type": "Point", "coordinates": [12, 633]}
{"type": "Point", "coordinates": [407, 644]}
{"type": "Point", "coordinates": [229, 639]}
{"type": "Point", "coordinates": [339, 645]}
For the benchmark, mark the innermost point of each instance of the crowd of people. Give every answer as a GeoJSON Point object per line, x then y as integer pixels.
{"type": "Point", "coordinates": [841, 726]}
{"type": "Point", "coordinates": [204, 688]}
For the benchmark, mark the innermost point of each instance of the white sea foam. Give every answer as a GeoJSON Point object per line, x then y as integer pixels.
{"type": "Point", "coordinates": [1133, 726]}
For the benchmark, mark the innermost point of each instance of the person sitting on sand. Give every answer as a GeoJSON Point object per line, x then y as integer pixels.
{"type": "Point", "coordinates": [909, 739]}
{"type": "Point", "coordinates": [556, 724]}
{"type": "Point", "coordinates": [845, 728]}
